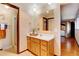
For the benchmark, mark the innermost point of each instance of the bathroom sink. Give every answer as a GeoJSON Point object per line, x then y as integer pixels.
{"type": "Point", "coordinates": [43, 36]}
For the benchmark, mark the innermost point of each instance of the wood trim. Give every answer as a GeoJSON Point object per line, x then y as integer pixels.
{"type": "Point", "coordinates": [68, 20]}
{"type": "Point", "coordinates": [48, 18]}
{"type": "Point", "coordinates": [1, 49]}
{"type": "Point", "coordinates": [18, 32]}
{"type": "Point", "coordinates": [32, 52]}
{"type": "Point", "coordinates": [13, 6]}
{"type": "Point", "coordinates": [55, 55]}
{"type": "Point", "coordinates": [10, 5]}
{"type": "Point", "coordinates": [23, 51]}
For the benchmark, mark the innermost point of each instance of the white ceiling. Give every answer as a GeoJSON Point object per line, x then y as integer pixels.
{"type": "Point", "coordinates": [7, 10]}
{"type": "Point", "coordinates": [40, 7]}
{"type": "Point", "coordinates": [69, 11]}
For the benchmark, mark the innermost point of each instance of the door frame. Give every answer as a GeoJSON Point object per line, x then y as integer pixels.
{"type": "Point", "coordinates": [17, 8]}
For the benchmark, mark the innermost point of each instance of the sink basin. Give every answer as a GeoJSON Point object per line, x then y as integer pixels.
{"type": "Point", "coordinates": [45, 36]}
{"type": "Point", "coordinates": [42, 36]}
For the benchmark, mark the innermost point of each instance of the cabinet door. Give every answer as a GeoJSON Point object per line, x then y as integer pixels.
{"type": "Point", "coordinates": [28, 43]}
{"type": "Point", "coordinates": [35, 46]}
{"type": "Point", "coordinates": [44, 53]}
{"type": "Point", "coordinates": [44, 48]}
{"type": "Point", "coordinates": [37, 49]}
{"type": "Point", "coordinates": [51, 47]}
{"type": "Point", "coordinates": [32, 47]}
{"type": "Point", "coordinates": [44, 43]}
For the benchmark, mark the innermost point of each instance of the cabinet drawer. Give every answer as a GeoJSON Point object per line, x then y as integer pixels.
{"type": "Point", "coordinates": [37, 52]}
{"type": "Point", "coordinates": [35, 40]}
{"type": "Point", "coordinates": [44, 53]}
{"type": "Point", "coordinates": [45, 43]}
{"type": "Point", "coordinates": [32, 47]}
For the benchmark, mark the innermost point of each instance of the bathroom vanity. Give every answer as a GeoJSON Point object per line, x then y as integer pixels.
{"type": "Point", "coordinates": [40, 45]}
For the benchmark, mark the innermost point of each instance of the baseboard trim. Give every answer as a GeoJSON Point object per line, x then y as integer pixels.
{"type": "Point", "coordinates": [23, 51]}
{"type": "Point", "coordinates": [1, 49]}
{"type": "Point", "coordinates": [76, 42]}
{"type": "Point", "coordinates": [7, 47]}
{"type": "Point", "coordinates": [32, 52]}
{"type": "Point", "coordinates": [55, 55]}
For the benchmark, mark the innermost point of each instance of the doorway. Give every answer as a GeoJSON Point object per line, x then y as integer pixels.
{"type": "Point", "coordinates": [72, 29]}
{"type": "Point", "coordinates": [11, 18]}
{"type": "Point", "coordinates": [69, 46]}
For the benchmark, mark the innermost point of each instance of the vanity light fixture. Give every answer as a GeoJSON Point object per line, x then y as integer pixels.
{"type": "Point", "coordinates": [34, 9]}
{"type": "Point", "coordinates": [47, 11]}
{"type": "Point", "coordinates": [49, 3]}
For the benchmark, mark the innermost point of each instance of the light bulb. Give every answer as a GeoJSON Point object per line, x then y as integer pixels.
{"type": "Point", "coordinates": [49, 3]}
{"type": "Point", "coordinates": [47, 11]}
{"type": "Point", "coordinates": [34, 9]}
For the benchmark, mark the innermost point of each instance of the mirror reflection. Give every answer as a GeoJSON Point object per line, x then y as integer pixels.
{"type": "Point", "coordinates": [48, 19]}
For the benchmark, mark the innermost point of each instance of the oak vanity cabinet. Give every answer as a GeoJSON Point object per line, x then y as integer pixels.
{"type": "Point", "coordinates": [40, 47]}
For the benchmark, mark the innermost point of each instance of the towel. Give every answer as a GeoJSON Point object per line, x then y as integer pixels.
{"type": "Point", "coordinates": [3, 26]}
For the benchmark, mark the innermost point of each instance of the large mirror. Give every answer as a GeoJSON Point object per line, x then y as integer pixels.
{"type": "Point", "coordinates": [48, 19]}
{"type": "Point", "coordinates": [47, 23]}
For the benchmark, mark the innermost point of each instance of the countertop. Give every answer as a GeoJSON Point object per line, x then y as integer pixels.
{"type": "Point", "coordinates": [46, 37]}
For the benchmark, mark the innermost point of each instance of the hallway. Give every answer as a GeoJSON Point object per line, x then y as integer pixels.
{"type": "Point", "coordinates": [69, 47]}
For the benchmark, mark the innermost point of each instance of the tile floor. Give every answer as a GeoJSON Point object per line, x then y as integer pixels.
{"type": "Point", "coordinates": [6, 53]}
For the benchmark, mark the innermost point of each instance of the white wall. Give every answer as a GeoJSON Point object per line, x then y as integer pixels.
{"type": "Point", "coordinates": [68, 29]}
{"type": "Point", "coordinates": [69, 11]}
{"type": "Point", "coordinates": [57, 42]}
{"type": "Point", "coordinates": [26, 24]}
{"type": "Point", "coordinates": [77, 30]}
{"type": "Point", "coordinates": [24, 29]}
